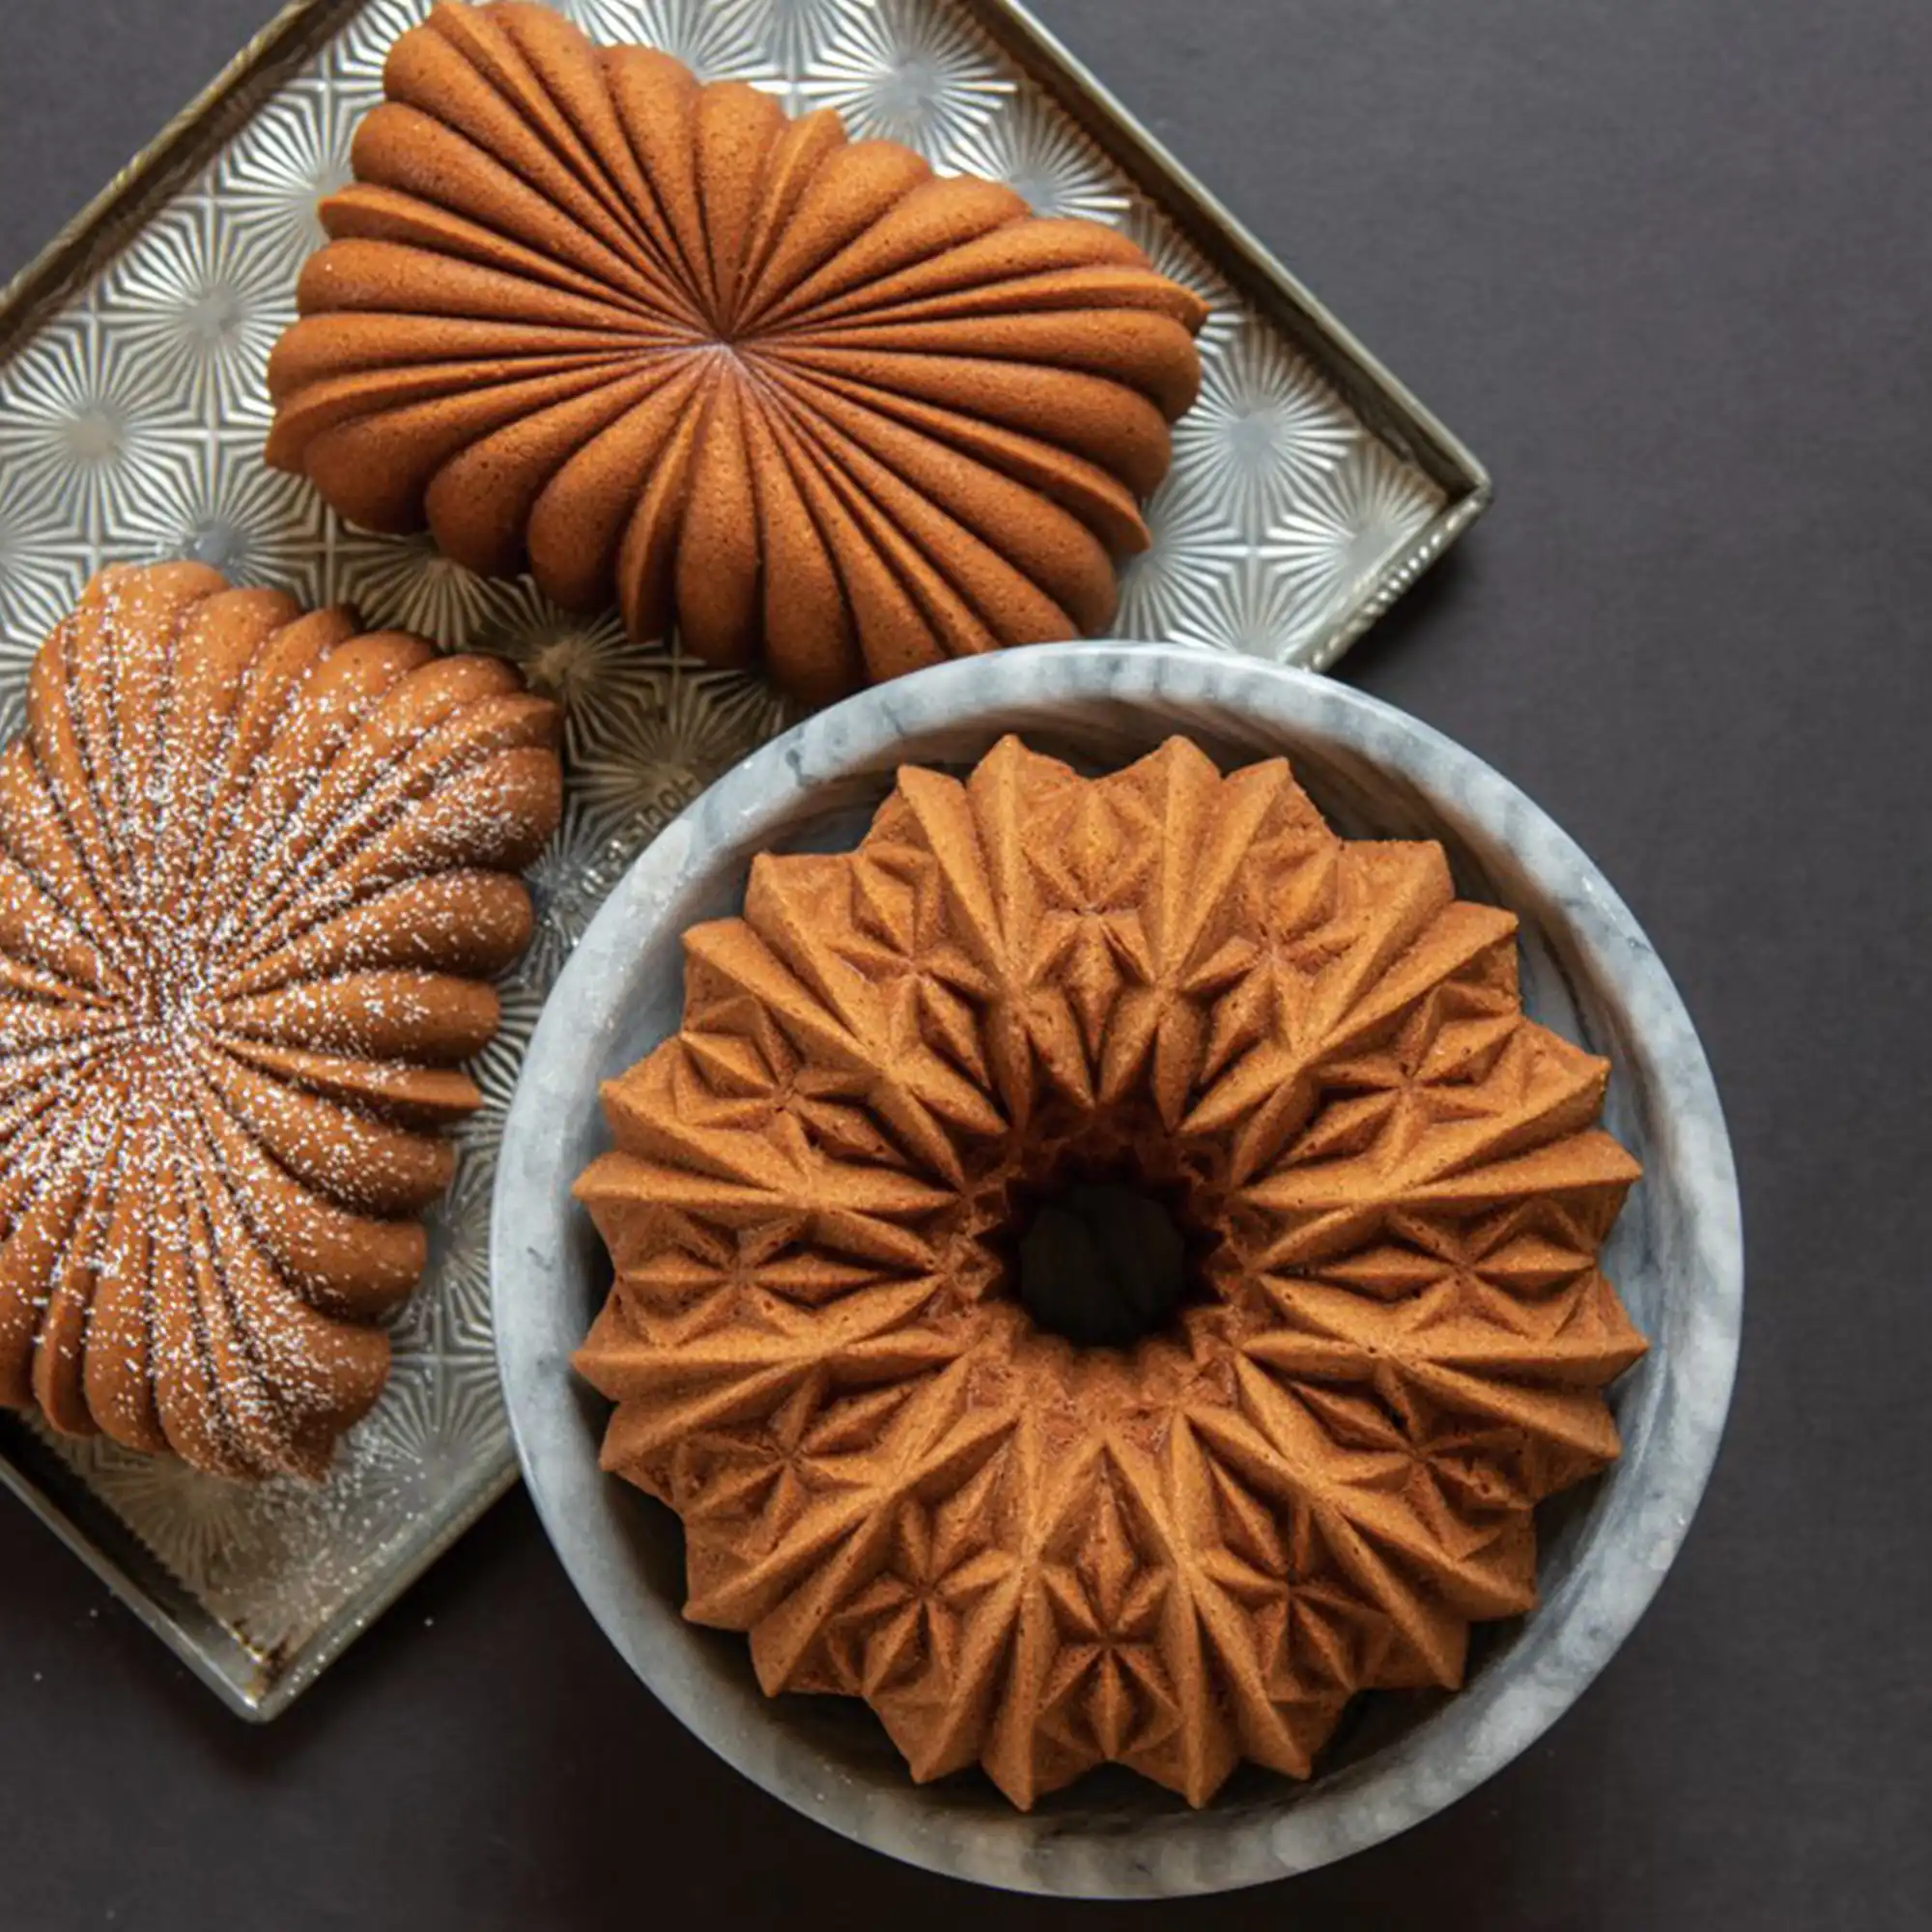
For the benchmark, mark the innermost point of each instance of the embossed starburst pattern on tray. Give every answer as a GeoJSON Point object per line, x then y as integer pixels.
{"type": "Point", "coordinates": [130, 428]}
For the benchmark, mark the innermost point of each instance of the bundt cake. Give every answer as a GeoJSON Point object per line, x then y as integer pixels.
{"type": "Point", "coordinates": [656, 342]}
{"type": "Point", "coordinates": [254, 871]}
{"type": "Point", "coordinates": [839, 1350]}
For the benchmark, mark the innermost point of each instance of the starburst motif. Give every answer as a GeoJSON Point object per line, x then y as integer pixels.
{"type": "Point", "coordinates": [644, 757]}
{"type": "Point", "coordinates": [1252, 608]}
{"type": "Point", "coordinates": [496, 1066]}
{"type": "Point", "coordinates": [582, 661]}
{"type": "Point", "coordinates": [42, 569]}
{"type": "Point", "coordinates": [571, 879]}
{"type": "Point", "coordinates": [459, 1237]}
{"type": "Point", "coordinates": [1040, 1558]}
{"type": "Point", "coordinates": [1194, 549]}
{"type": "Point", "coordinates": [409, 583]}
{"type": "Point", "coordinates": [1156, 234]}
{"type": "Point", "coordinates": [432, 1332]}
{"type": "Point", "coordinates": [1348, 525]}
{"type": "Point", "coordinates": [291, 1547]}
{"type": "Point", "coordinates": [272, 183]}
{"type": "Point", "coordinates": [432, 1438]}
{"type": "Point", "coordinates": [1266, 424]}
{"type": "Point", "coordinates": [83, 430]}
{"type": "Point", "coordinates": [896, 72]}
{"type": "Point", "coordinates": [196, 304]}
{"type": "Point", "coordinates": [1038, 154]}
{"type": "Point", "coordinates": [352, 61]}
{"type": "Point", "coordinates": [256, 527]}
{"type": "Point", "coordinates": [251, 865]}
{"type": "Point", "coordinates": [837, 418]}
{"type": "Point", "coordinates": [713, 41]}
{"type": "Point", "coordinates": [187, 1520]}
{"type": "Point", "coordinates": [789, 33]}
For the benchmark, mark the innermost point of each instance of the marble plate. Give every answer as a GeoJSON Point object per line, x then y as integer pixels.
{"type": "Point", "coordinates": [1587, 971]}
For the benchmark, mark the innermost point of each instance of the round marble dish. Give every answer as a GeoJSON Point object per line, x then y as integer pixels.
{"type": "Point", "coordinates": [1587, 971]}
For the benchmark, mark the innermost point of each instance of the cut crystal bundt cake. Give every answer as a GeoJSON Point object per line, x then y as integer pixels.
{"type": "Point", "coordinates": [255, 871]}
{"type": "Point", "coordinates": [832, 1336]}
{"type": "Point", "coordinates": [661, 345]}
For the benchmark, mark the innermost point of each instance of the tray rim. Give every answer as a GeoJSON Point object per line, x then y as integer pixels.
{"type": "Point", "coordinates": [255, 1701]}
{"type": "Point", "coordinates": [196, 132]}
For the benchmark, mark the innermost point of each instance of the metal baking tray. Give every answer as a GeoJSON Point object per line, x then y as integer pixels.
{"type": "Point", "coordinates": [1309, 488]}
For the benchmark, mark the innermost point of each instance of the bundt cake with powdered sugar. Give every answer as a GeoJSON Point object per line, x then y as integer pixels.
{"type": "Point", "coordinates": [256, 869]}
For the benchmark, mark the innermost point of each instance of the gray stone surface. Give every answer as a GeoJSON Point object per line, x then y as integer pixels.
{"type": "Point", "coordinates": [1587, 970]}
{"type": "Point", "coordinates": [1661, 264]}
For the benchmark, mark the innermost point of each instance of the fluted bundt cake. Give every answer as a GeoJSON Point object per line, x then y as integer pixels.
{"type": "Point", "coordinates": [837, 1340]}
{"type": "Point", "coordinates": [254, 871]}
{"type": "Point", "coordinates": [658, 343]}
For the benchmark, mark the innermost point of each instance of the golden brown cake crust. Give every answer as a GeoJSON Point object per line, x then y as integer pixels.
{"type": "Point", "coordinates": [1036, 1556]}
{"type": "Point", "coordinates": [255, 870]}
{"type": "Point", "coordinates": [659, 344]}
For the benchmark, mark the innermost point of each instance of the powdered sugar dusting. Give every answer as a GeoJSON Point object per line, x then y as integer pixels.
{"type": "Point", "coordinates": [229, 1041]}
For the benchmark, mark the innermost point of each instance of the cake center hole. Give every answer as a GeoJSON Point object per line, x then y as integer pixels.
{"type": "Point", "coordinates": [1101, 1264]}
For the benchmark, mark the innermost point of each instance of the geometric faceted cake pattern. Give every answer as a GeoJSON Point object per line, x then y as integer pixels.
{"type": "Point", "coordinates": [131, 428]}
{"type": "Point", "coordinates": [1314, 1477]}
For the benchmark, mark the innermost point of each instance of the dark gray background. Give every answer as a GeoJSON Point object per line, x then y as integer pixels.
{"type": "Point", "coordinates": [1666, 265]}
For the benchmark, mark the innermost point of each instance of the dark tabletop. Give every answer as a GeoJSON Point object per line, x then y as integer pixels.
{"type": "Point", "coordinates": [1666, 265]}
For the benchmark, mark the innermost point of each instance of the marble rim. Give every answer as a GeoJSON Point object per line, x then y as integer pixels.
{"type": "Point", "coordinates": [1654, 1490]}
